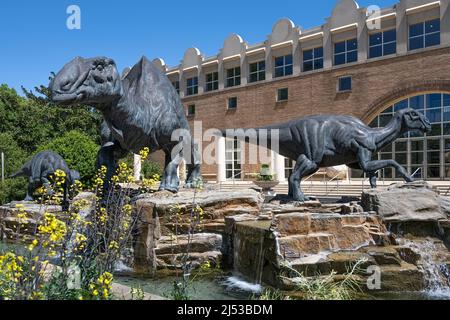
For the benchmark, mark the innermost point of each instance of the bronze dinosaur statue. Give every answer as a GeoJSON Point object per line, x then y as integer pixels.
{"type": "Point", "coordinates": [141, 110]}
{"type": "Point", "coordinates": [330, 140]}
{"type": "Point", "coordinates": [41, 168]}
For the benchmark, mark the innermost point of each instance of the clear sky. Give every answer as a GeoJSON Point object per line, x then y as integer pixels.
{"type": "Point", "coordinates": [34, 39]}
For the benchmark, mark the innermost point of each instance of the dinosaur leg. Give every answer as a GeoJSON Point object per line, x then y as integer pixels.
{"type": "Point", "coordinates": [370, 166]}
{"type": "Point", "coordinates": [303, 167]}
{"type": "Point", "coordinates": [194, 173]}
{"type": "Point", "coordinates": [372, 175]}
{"type": "Point", "coordinates": [170, 180]}
{"type": "Point", "coordinates": [373, 179]}
{"type": "Point", "coordinates": [30, 189]}
{"type": "Point", "coordinates": [108, 156]}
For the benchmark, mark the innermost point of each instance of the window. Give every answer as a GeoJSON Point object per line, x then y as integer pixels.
{"type": "Point", "coordinates": [233, 77]}
{"type": "Point", "coordinates": [283, 66]}
{"type": "Point", "coordinates": [257, 71]}
{"type": "Point", "coordinates": [233, 159]}
{"type": "Point", "coordinates": [212, 81]}
{"type": "Point", "coordinates": [345, 84]}
{"type": "Point", "coordinates": [288, 167]}
{"type": "Point", "coordinates": [232, 103]}
{"type": "Point", "coordinates": [313, 59]}
{"type": "Point", "coordinates": [425, 155]}
{"type": "Point", "coordinates": [383, 43]}
{"type": "Point", "coordinates": [192, 86]}
{"type": "Point", "coordinates": [424, 34]}
{"type": "Point", "coordinates": [191, 110]}
{"type": "Point", "coordinates": [282, 94]}
{"type": "Point", "coordinates": [345, 52]}
{"type": "Point", "coordinates": [176, 85]}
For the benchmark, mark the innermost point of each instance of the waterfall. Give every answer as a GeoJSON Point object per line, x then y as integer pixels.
{"type": "Point", "coordinates": [437, 274]}
{"type": "Point", "coordinates": [260, 260]}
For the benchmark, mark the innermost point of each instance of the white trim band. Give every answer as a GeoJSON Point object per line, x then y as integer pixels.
{"type": "Point", "coordinates": [282, 44]}
{"type": "Point", "coordinates": [210, 63]}
{"type": "Point", "coordinates": [423, 7]}
{"type": "Point", "coordinates": [236, 56]}
{"type": "Point", "coordinates": [385, 16]}
{"type": "Point", "coordinates": [344, 28]}
{"type": "Point", "coordinates": [312, 36]}
{"type": "Point", "coordinates": [190, 69]}
{"type": "Point", "coordinates": [255, 51]}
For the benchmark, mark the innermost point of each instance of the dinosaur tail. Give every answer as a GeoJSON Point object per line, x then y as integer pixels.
{"type": "Point", "coordinates": [20, 173]}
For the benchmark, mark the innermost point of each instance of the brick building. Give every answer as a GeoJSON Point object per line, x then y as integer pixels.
{"type": "Point", "coordinates": [362, 63]}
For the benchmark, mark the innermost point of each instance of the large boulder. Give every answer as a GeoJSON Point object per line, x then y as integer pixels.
{"type": "Point", "coordinates": [417, 202]}
{"type": "Point", "coordinates": [164, 216]}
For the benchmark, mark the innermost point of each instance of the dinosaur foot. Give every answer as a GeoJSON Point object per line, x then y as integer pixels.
{"type": "Point", "coordinates": [169, 189]}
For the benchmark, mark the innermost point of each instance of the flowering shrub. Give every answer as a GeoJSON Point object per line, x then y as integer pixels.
{"type": "Point", "coordinates": [72, 255]}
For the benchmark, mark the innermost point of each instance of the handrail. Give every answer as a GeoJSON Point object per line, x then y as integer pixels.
{"type": "Point", "coordinates": [420, 169]}
{"type": "Point", "coordinates": [233, 178]}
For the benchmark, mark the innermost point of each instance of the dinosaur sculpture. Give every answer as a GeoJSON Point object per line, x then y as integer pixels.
{"type": "Point", "coordinates": [40, 169]}
{"type": "Point", "coordinates": [141, 110]}
{"type": "Point", "coordinates": [330, 140]}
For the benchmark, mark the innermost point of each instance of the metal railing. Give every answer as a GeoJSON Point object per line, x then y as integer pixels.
{"type": "Point", "coordinates": [233, 178]}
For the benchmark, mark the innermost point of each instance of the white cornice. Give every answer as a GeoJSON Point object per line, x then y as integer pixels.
{"type": "Point", "coordinates": [423, 7]}
{"type": "Point", "coordinates": [345, 28]}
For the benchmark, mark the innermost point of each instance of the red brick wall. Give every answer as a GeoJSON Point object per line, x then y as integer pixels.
{"type": "Point", "coordinates": [375, 85]}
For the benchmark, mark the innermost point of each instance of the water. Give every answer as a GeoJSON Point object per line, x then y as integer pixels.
{"type": "Point", "coordinates": [221, 288]}
{"type": "Point", "coordinates": [437, 274]}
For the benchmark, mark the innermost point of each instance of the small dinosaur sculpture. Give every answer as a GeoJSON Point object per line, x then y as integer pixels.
{"type": "Point", "coordinates": [330, 140]}
{"type": "Point", "coordinates": [40, 169]}
{"type": "Point", "coordinates": [141, 110]}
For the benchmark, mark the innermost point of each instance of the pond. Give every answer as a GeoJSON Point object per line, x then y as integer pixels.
{"type": "Point", "coordinates": [233, 287]}
{"type": "Point", "coordinates": [209, 288]}
{"type": "Point", "coordinates": [236, 288]}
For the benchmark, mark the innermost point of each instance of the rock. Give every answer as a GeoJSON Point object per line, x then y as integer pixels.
{"type": "Point", "coordinates": [405, 202]}
{"type": "Point", "coordinates": [216, 206]}
{"type": "Point", "coordinates": [13, 228]}
{"type": "Point", "coordinates": [403, 278]}
{"type": "Point", "coordinates": [123, 292]}
{"type": "Point", "coordinates": [195, 260]}
{"type": "Point", "coordinates": [148, 232]}
{"type": "Point", "coordinates": [385, 255]}
{"type": "Point", "coordinates": [202, 242]}
{"type": "Point", "coordinates": [292, 223]}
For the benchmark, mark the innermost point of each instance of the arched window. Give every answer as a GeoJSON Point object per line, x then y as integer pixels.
{"type": "Point", "coordinates": [427, 156]}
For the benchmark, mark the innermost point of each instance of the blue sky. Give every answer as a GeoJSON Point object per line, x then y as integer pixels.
{"type": "Point", "coordinates": [35, 40]}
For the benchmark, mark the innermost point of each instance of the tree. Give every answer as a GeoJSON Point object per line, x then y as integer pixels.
{"type": "Point", "coordinates": [78, 150]}
{"type": "Point", "coordinates": [15, 157]}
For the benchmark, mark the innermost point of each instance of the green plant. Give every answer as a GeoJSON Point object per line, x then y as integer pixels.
{"type": "Point", "coordinates": [78, 150]}
{"type": "Point", "coordinates": [68, 242]}
{"type": "Point", "coordinates": [271, 295]}
{"type": "Point", "coordinates": [11, 189]}
{"type": "Point", "coordinates": [328, 287]}
{"type": "Point", "coordinates": [137, 293]}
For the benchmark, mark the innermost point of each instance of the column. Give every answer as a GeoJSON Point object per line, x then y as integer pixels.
{"type": "Point", "coordinates": [402, 30]}
{"type": "Point", "coordinates": [328, 49]}
{"type": "Point", "coordinates": [278, 167]}
{"type": "Point", "coordinates": [137, 167]}
{"type": "Point", "coordinates": [445, 22]}
{"type": "Point", "coordinates": [221, 160]}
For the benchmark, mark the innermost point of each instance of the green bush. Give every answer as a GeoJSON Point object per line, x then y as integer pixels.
{"type": "Point", "coordinates": [12, 190]}
{"type": "Point", "coordinates": [78, 150]}
{"type": "Point", "coordinates": [15, 157]}
{"type": "Point", "coordinates": [149, 169]}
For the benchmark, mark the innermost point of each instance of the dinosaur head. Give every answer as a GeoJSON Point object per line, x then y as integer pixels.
{"type": "Point", "coordinates": [94, 81]}
{"type": "Point", "coordinates": [414, 120]}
